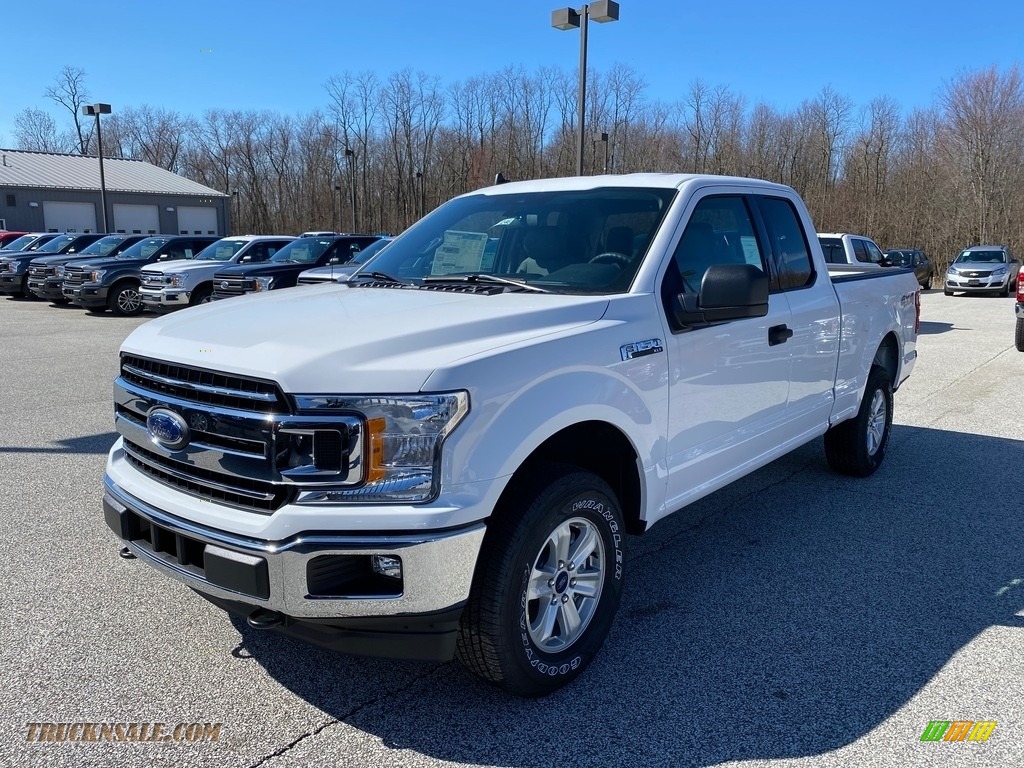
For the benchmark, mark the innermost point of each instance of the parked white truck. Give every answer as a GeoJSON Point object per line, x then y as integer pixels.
{"type": "Point", "coordinates": [443, 456]}
{"type": "Point", "coordinates": [186, 283]}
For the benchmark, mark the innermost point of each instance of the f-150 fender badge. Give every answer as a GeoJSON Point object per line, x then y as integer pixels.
{"type": "Point", "coordinates": [167, 428]}
{"type": "Point", "coordinates": [641, 348]}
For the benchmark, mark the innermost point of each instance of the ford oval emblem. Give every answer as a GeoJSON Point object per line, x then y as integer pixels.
{"type": "Point", "coordinates": [167, 428]}
{"type": "Point", "coordinates": [224, 285]}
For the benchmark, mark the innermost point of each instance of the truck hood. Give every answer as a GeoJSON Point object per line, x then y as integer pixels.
{"type": "Point", "coordinates": [184, 265]}
{"type": "Point", "coordinates": [52, 261]}
{"type": "Point", "coordinates": [338, 339]}
{"type": "Point", "coordinates": [263, 269]}
{"type": "Point", "coordinates": [100, 262]}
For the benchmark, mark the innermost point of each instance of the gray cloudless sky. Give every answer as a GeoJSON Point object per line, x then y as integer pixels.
{"type": "Point", "coordinates": [190, 56]}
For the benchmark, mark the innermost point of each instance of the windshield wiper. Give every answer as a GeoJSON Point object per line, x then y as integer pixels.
{"type": "Point", "coordinates": [482, 277]}
{"type": "Point", "coordinates": [381, 276]}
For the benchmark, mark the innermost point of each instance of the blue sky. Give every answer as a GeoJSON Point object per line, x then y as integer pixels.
{"type": "Point", "coordinates": [189, 56]}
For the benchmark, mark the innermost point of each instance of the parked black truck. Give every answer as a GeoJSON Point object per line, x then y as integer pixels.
{"type": "Point", "coordinates": [104, 283]}
{"type": "Point", "coordinates": [46, 273]}
{"type": "Point", "coordinates": [283, 268]}
{"type": "Point", "coordinates": [14, 277]}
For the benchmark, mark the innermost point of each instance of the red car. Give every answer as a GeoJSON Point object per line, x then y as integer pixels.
{"type": "Point", "coordinates": [6, 237]}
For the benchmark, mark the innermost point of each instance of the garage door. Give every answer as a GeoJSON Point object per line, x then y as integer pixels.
{"type": "Point", "coordinates": [136, 219]}
{"type": "Point", "coordinates": [69, 217]}
{"type": "Point", "coordinates": [197, 221]}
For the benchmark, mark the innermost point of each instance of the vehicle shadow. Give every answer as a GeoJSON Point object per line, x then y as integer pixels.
{"type": "Point", "coordinates": [85, 444]}
{"type": "Point", "coordinates": [932, 327]}
{"type": "Point", "coordinates": [785, 616]}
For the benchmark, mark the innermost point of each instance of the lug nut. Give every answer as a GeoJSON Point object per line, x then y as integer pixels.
{"type": "Point", "coordinates": [572, 582]}
{"type": "Point", "coordinates": [565, 598]}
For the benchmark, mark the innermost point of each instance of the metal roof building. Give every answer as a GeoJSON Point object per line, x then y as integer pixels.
{"type": "Point", "coordinates": [48, 192]}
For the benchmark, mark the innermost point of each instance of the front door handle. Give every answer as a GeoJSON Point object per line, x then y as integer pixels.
{"type": "Point", "coordinates": [779, 334]}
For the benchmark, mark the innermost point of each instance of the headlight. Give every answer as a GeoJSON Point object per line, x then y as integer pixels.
{"type": "Point", "coordinates": [401, 445]}
{"type": "Point", "coordinates": [952, 271]}
{"type": "Point", "coordinates": [4, 266]}
{"type": "Point", "coordinates": [264, 283]}
{"type": "Point", "coordinates": [14, 266]}
{"type": "Point", "coordinates": [999, 272]}
{"type": "Point", "coordinates": [58, 271]}
{"type": "Point", "coordinates": [178, 281]}
{"type": "Point", "coordinates": [97, 274]}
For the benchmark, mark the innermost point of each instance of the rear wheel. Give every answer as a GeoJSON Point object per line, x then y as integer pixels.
{"type": "Point", "coordinates": [548, 583]}
{"type": "Point", "coordinates": [125, 300]}
{"type": "Point", "coordinates": [857, 446]}
{"type": "Point", "coordinates": [1018, 339]}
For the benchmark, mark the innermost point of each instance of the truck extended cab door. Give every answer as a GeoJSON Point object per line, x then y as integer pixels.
{"type": "Point", "coordinates": [728, 383]}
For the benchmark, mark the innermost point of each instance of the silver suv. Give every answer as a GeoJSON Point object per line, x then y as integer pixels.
{"type": "Point", "coordinates": [983, 269]}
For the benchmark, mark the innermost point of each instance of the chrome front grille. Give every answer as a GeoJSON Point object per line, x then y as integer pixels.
{"type": "Point", "coordinates": [232, 286]}
{"type": "Point", "coordinates": [74, 276]}
{"type": "Point", "coordinates": [244, 447]}
{"type": "Point", "coordinates": [154, 280]}
{"type": "Point", "coordinates": [37, 271]}
{"type": "Point", "coordinates": [202, 386]}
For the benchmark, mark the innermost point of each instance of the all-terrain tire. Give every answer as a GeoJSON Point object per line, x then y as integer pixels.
{"type": "Point", "coordinates": [857, 446]}
{"type": "Point", "coordinates": [125, 299]}
{"type": "Point", "coordinates": [1018, 337]}
{"type": "Point", "coordinates": [548, 582]}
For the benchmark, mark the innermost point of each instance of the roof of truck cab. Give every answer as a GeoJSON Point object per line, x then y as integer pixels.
{"type": "Point", "coordinates": [643, 180]}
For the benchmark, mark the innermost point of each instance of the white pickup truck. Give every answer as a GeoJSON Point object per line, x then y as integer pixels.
{"type": "Point", "coordinates": [524, 376]}
{"type": "Point", "coordinates": [186, 283]}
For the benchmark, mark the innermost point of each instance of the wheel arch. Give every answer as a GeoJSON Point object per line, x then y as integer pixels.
{"type": "Point", "coordinates": [887, 356]}
{"type": "Point", "coordinates": [595, 446]}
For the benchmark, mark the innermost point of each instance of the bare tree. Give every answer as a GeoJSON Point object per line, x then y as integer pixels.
{"type": "Point", "coordinates": [37, 131]}
{"type": "Point", "coordinates": [70, 92]}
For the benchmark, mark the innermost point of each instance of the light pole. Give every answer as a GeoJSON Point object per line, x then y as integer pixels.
{"type": "Point", "coordinates": [238, 209]}
{"type": "Point", "coordinates": [568, 18]}
{"type": "Point", "coordinates": [97, 110]}
{"type": "Point", "coordinates": [603, 138]}
{"type": "Point", "coordinates": [351, 155]}
{"type": "Point", "coordinates": [422, 206]}
{"type": "Point", "coordinates": [337, 209]}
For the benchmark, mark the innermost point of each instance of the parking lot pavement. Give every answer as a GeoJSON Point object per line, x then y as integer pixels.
{"type": "Point", "coordinates": [793, 618]}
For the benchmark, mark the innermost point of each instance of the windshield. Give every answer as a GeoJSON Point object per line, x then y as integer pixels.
{"type": "Point", "coordinates": [19, 243]}
{"type": "Point", "coordinates": [568, 241]}
{"type": "Point", "coordinates": [372, 249]}
{"type": "Point", "coordinates": [142, 249]}
{"type": "Point", "coordinates": [103, 246]}
{"type": "Point", "coordinates": [305, 250]}
{"type": "Point", "coordinates": [899, 258]}
{"type": "Point", "coordinates": [59, 242]}
{"type": "Point", "coordinates": [981, 257]}
{"type": "Point", "coordinates": [222, 250]}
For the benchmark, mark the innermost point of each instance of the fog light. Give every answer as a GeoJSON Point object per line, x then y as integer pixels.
{"type": "Point", "coordinates": [386, 565]}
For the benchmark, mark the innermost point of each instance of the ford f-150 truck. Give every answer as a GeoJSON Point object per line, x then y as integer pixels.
{"type": "Point", "coordinates": [282, 270]}
{"type": "Point", "coordinates": [46, 273]}
{"type": "Point", "coordinates": [525, 376]}
{"type": "Point", "coordinates": [177, 284]}
{"type": "Point", "coordinates": [14, 266]}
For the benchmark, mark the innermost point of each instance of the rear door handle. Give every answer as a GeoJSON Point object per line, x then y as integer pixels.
{"type": "Point", "coordinates": [779, 334]}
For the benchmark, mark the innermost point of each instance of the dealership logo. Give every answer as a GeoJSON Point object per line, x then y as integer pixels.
{"type": "Point", "coordinates": [958, 730]}
{"type": "Point", "coordinates": [167, 428]}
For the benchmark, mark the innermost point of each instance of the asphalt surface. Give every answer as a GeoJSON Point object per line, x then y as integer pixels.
{"type": "Point", "coordinates": [796, 618]}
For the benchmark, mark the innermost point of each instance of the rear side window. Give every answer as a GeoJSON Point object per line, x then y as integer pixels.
{"type": "Point", "coordinates": [832, 247]}
{"type": "Point", "coordinates": [788, 242]}
{"type": "Point", "coordinates": [859, 251]}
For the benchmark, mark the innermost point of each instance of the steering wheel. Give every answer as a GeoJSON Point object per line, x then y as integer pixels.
{"type": "Point", "coordinates": [620, 260]}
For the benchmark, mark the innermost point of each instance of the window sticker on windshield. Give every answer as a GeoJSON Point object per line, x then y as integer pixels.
{"type": "Point", "coordinates": [460, 252]}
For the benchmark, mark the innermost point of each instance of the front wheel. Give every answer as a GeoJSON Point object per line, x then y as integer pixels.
{"type": "Point", "coordinates": [548, 583]}
{"type": "Point", "coordinates": [857, 446]}
{"type": "Point", "coordinates": [1018, 338]}
{"type": "Point", "coordinates": [125, 300]}
{"type": "Point", "coordinates": [201, 295]}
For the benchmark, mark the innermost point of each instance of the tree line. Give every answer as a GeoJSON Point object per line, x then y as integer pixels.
{"type": "Point", "coordinates": [382, 151]}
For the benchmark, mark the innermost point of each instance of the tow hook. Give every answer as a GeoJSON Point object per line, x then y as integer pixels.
{"type": "Point", "coordinates": [126, 554]}
{"type": "Point", "coordinates": [261, 618]}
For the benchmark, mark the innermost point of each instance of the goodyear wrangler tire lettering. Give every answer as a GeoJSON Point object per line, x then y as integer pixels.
{"type": "Point", "coordinates": [548, 582]}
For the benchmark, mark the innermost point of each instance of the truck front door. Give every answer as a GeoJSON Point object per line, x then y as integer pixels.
{"type": "Point", "coordinates": [728, 383]}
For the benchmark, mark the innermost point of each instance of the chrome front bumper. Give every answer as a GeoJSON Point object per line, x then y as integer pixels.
{"type": "Point", "coordinates": [437, 567]}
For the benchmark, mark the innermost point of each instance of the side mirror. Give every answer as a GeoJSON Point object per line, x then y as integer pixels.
{"type": "Point", "coordinates": [245, 259]}
{"type": "Point", "coordinates": [727, 292]}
